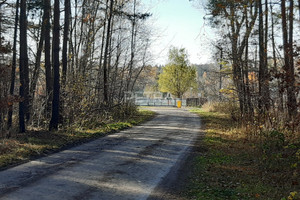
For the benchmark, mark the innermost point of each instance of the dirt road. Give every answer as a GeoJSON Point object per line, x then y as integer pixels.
{"type": "Point", "coordinates": [125, 165]}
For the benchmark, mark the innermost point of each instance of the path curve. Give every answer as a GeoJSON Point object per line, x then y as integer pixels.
{"type": "Point", "coordinates": [125, 165]}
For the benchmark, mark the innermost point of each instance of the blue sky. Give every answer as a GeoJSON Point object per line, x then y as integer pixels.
{"type": "Point", "coordinates": [179, 23]}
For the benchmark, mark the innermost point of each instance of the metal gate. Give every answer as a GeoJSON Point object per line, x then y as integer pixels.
{"type": "Point", "coordinates": [157, 102]}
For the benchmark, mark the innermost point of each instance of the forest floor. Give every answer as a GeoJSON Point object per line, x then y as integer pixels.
{"type": "Point", "coordinates": [34, 144]}
{"type": "Point", "coordinates": [228, 163]}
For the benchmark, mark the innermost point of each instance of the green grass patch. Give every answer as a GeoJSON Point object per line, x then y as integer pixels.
{"type": "Point", "coordinates": [235, 167]}
{"type": "Point", "coordinates": [39, 143]}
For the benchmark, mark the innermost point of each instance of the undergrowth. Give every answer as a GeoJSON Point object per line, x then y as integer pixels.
{"type": "Point", "coordinates": [240, 163]}
{"type": "Point", "coordinates": [31, 144]}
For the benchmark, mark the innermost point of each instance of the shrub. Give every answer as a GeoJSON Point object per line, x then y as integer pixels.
{"type": "Point", "coordinates": [273, 141]}
{"type": "Point", "coordinates": [228, 107]}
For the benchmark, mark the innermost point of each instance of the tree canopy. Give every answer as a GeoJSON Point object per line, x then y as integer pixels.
{"type": "Point", "coordinates": [177, 76]}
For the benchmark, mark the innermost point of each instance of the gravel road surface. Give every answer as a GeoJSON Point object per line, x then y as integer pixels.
{"type": "Point", "coordinates": [127, 165]}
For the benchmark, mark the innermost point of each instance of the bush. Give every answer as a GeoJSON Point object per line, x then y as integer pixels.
{"type": "Point", "coordinates": [228, 107]}
{"type": "Point", "coordinates": [123, 111]}
{"type": "Point", "coordinates": [273, 141]}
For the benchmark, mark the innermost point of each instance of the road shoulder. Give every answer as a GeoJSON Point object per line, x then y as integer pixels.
{"type": "Point", "coordinates": [175, 184]}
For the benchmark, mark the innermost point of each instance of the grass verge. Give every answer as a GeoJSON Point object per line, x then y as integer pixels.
{"type": "Point", "coordinates": [232, 166]}
{"type": "Point", "coordinates": [34, 144]}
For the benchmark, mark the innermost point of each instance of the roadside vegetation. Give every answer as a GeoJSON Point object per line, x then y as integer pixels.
{"type": "Point", "coordinates": [23, 147]}
{"type": "Point", "coordinates": [244, 162]}
{"type": "Point", "coordinates": [252, 142]}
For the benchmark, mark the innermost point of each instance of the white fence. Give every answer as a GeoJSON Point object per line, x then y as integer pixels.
{"type": "Point", "coordinates": [157, 102]}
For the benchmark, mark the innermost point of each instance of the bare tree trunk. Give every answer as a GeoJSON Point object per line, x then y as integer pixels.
{"type": "Point", "coordinates": [65, 41]}
{"type": "Point", "coordinates": [266, 30]}
{"type": "Point", "coordinates": [236, 60]}
{"type": "Point", "coordinates": [109, 69]}
{"type": "Point", "coordinates": [37, 65]}
{"type": "Point", "coordinates": [73, 42]}
{"type": "Point", "coordinates": [24, 74]}
{"type": "Point", "coordinates": [132, 46]}
{"type": "Point", "coordinates": [105, 59]}
{"type": "Point", "coordinates": [14, 62]}
{"type": "Point", "coordinates": [65, 51]}
{"type": "Point", "coordinates": [78, 45]}
{"type": "Point", "coordinates": [101, 56]}
{"type": "Point", "coordinates": [264, 93]}
{"type": "Point", "coordinates": [55, 55]}
{"type": "Point", "coordinates": [220, 74]}
{"type": "Point", "coordinates": [291, 71]}
{"type": "Point", "coordinates": [71, 52]}
{"type": "Point", "coordinates": [288, 57]}
{"type": "Point", "coordinates": [48, 67]}
{"type": "Point", "coordinates": [248, 92]}
{"type": "Point", "coordinates": [250, 110]}
{"type": "Point", "coordinates": [83, 41]}
{"type": "Point", "coordinates": [280, 88]}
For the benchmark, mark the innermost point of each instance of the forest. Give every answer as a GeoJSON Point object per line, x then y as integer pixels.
{"type": "Point", "coordinates": [66, 62]}
{"type": "Point", "coordinates": [258, 51]}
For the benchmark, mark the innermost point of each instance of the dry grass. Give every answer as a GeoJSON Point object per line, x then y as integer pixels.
{"type": "Point", "coordinates": [32, 144]}
{"type": "Point", "coordinates": [242, 164]}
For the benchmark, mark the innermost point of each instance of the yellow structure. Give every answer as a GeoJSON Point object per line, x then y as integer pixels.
{"type": "Point", "coordinates": [179, 104]}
